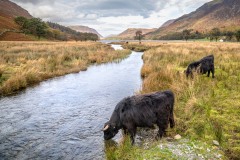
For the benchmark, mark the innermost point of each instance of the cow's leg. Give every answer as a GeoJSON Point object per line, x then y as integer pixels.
{"type": "Point", "coordinates": [171, 120]}
{"type": "Point", "coordinates": [124, 130]}
{"type": "Point", "coordinates": [162, 124]}
{"type": "Point", "coordinates": [208, 74]}
{"type": "Point", "coordinates": [212, 70]}
{"type": "Point", "coordinates": [131, 129]}
{"type": "Point", "coordinates": [132, 133]}
{"type": "Point", "coordinates": [192, 75]}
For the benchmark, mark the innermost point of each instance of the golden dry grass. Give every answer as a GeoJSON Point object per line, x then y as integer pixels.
{"type": "Point", "coordinates": [26, 63]}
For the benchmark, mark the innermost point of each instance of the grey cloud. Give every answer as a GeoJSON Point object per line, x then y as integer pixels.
{"type": "Point", "coordinates": [35, 2]}
{"type": "Point", "coordinates": [119, 8]}
{"type": "Point", "coordinates": [118, 4]}
{"type": "Point", "coordinates": [88, 12]}
{"type": "Point", "coordinates": [103, 8]}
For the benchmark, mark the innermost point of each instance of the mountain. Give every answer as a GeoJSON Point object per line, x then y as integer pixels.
{"type": "Point", "coordinates": [11, 10]}
{"type": "Point", "coordinates": [130, 33]}
{"type": "Point", "coordinates": [222, 14]}
{"type": "Point", "coordinates": [168, 23]}
{"type": "Point", "coordinates": [8, 28]}
{"type": "Point", "coordinates": [66, 33]}
{"type": "Point", "coordinates": [85, 29]}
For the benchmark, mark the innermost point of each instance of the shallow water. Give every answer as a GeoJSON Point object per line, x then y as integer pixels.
{"type": "Point", "coordinates": [62, 118]}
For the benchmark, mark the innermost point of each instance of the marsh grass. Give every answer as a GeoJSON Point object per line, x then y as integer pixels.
{"type": "Point", "coordinates": [26, 63]}
{"type": "Point", "coordinates": [136, 47]}
{"type": "Point", "coordinates": [206, 109]}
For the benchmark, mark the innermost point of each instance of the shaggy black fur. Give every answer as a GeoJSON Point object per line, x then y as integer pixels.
{"type": "Point", "coordinates": [142, 111]}
{"type": "Point", "coordinates": [206, 65]}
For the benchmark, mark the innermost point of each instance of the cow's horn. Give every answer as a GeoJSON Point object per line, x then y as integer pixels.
{"type": "Point", "coordinates": [105, 128]}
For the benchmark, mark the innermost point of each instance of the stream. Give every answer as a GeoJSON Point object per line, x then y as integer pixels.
{"type": "Point", "coordinates": [62, 118]}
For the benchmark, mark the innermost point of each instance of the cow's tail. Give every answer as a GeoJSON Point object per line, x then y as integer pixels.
{"type": "Point", "coordinates": [171, 99]}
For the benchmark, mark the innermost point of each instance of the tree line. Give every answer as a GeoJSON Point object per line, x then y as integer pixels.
{"type": "Point", "coordinates": [49, 30]}
{"type": "Point", "coordinates": [77, 36]}
{"type": "Point", "coordinates": [213, 35]}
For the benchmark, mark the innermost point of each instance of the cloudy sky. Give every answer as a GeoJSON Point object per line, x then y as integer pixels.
{"type": "Point", "coordinates": [110, 16]}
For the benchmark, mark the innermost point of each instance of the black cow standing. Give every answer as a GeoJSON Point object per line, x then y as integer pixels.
{"type": "Point", "coordinates": [205, 65]}
{"type": "Point", "coordinates": [141, 111]}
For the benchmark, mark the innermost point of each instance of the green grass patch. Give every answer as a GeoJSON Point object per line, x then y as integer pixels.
{"type": "Point", "coordinates": [206, 109]}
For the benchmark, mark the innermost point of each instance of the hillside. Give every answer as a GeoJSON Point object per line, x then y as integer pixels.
{"type": "Point", "coordinates": [130, 33]}
{"type": "Point", "coordinates": [223, 14]}
{"type": "Point", "coordinates": [11, 10]}
{"type": "Point", "coordinates": [8, 11]}
{"type": "Point", "coordinates": [168, 23]}
{"type": "Point", "coordinates": [33, 28]}
{"type": "Point", "coordinates": [85, 29]}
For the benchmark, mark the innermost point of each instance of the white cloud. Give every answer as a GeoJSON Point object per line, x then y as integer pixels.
{"type": "Point", "coordinates": [81, 15]}
{"type": "Point", "coordinates": [91, 16]}
{"type": "Point", "coordinates": [44, 12]}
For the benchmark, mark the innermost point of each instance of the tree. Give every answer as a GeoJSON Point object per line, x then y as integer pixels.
{"type": "Point", "coordinates": [198, 35]}
{"type": "Point", "coordinates": [237, 35]}
{"type": "Point", "coordinates": [33, 26]}
{"type": "Point", "coordinates": [56, 34]}
{"type": "Point", "coordinates": [37, 27]}
{"type": "Point", "coordinates": [72, 34]}
{"type": "Point", "coordinates": [186, 34]}
{"type": "Point", "coordinates": [209, 36]}
{"type": "Point", "coordinates": [139, 35]}
{"type": "Point", "coordinates": [215, 33]}
{"type": "Point", "coordinates": [20, 21]}
{"type": "Point", "coordinates": [229, 35]}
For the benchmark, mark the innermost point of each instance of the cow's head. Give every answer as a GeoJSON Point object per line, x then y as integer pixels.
{"type": "Point", "coordinates": [109, 130]}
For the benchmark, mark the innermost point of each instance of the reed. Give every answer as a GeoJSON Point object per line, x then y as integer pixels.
{"type": "Point", "coordinates": [26, 63]}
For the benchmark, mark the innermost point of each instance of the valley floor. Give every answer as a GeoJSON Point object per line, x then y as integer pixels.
{"type": "Point", "coordinates": [206, 109]}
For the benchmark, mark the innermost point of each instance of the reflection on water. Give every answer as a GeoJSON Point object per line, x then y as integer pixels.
{"type": "Point", "coordinates": [62, 118]}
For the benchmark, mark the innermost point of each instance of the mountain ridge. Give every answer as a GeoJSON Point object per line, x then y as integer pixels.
{"type": "Point", "coordinates": [130, 33]}
{"type": "Point", "coordinates": [9, 11]}
{"type": "Point", "coordinates": [10, 31]}
{"type": "Point", "coordinates": [85, 29]}
{"type": "Point", "coordinates": [12, 10]}
{"type": "Point", "coordinates": [223, 14]}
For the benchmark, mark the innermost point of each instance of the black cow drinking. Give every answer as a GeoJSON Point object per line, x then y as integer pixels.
{"type": "Point", "coordinates": [141, 111]}
{"type": "Point", "coordinates": [205, 65]}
